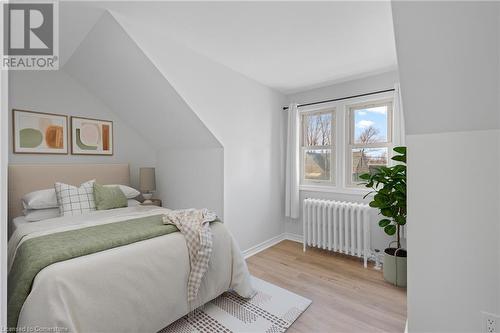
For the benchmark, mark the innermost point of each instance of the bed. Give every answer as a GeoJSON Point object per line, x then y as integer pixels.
{"type": "Point", "coordinates": [138, 287]}
{"type": "Point", "coordinates": [15, 223]}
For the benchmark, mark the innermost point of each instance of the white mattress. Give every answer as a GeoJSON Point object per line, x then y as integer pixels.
{"type": "Point", "coordinates": [16, 222]}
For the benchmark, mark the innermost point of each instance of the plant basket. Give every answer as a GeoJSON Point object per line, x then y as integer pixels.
{"type": "Point", "coordinates": [395, 266]}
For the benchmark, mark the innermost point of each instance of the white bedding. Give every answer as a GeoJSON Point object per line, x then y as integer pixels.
{"type": "Point", "coordinates": [141, 287]}
{"type": "Point", "coordinates": [15, 223]}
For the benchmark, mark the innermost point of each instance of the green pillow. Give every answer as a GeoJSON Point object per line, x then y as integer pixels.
{"type": "Point", "coordinates": [109, 197]}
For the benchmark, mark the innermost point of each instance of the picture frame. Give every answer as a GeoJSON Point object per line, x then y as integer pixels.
{"type": "Point", "coordinates": [39, 132]}
{"type": "Point", "coordinates": [91, 136]}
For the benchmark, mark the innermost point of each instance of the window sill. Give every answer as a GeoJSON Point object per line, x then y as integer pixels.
{"type": "Point", "coordinates": [332, 189]}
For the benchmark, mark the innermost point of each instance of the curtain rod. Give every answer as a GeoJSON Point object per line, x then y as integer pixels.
{"type": "Point", "coordinates": [342, 98]}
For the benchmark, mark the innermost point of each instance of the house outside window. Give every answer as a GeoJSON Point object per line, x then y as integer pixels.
{"type": "Point", "coordinates": [369, 138]}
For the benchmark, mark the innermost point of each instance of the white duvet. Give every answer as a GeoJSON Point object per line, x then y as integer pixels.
{"type": "Point", "coordinates": [141, 287]}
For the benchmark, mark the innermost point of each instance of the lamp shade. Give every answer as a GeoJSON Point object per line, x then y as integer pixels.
{"type": "Point", "coordinates": [147, 182]}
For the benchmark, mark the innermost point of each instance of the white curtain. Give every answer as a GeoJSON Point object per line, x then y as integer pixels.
{"type": "Point", "coordinates": [292, 178]}
{"type": "Point", "coordinates": [398, 118]}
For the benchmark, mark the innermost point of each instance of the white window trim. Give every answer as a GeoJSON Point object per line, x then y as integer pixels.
{"type": "Point", "coordinates": [332, 147]}
{"type": "Point", "coordinates": [349, 138]}
{"type": "Point", "coordinates": [340, 144]}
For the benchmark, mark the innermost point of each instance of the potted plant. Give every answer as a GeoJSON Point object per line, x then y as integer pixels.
{"type": "Point", "coordinates": [389, 184]}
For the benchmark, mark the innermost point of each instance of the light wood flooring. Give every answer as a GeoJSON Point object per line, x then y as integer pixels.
{"type": "Point", "coordinates": [345, 296]}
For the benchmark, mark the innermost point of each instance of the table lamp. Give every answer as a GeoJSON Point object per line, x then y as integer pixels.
{"type": "Point", "coordinates": [147, 183]}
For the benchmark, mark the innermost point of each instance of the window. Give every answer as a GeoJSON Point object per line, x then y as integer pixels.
{"type": "Point", "coordinates": [369, 139]}
{"type": "Point", "coordinates": [317, 151]}
{"type": "Point", "coordinates": [344, 139]}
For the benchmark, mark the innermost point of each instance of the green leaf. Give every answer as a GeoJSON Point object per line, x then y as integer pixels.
{"type": "Point", "coordinates": [383, 223]}
{"type": "Point", "coordinates": [401, 188]}
{"type": "Point", "coordinates": [365, 176]}
{"type": "Point", "coordinates": [399, 168]}
{"type": "Point", "coordinates": [399, 158]}
{"type": "Point", "coordinates": [385, 170]}
{"type": "Point", "coordinates": [381, 197]}
{"type": "Point", "coordinates": [400, 150]}
{"type": "Point", "coordinates": [386, 212]}
{"type": "Point", "coordinates": [390, 229]}
{"type": "Point", "coordinates": [383, 203]}
{"type": "Point", "coordinates": [400, 219]}
{"type": "Point", "coordinates": [387, 189]}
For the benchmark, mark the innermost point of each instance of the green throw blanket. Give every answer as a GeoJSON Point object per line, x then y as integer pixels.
{"type": "Point", "coordinates": [37, 253]}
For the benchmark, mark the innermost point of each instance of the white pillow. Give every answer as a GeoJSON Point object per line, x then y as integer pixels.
{"type": "Point", "coordinates": [41, 199]}
{"type": "Point", "coordinates": [132, 203]}
{"type": "Point", "coordinates": [47, 198]}
{"type": "Point", "coordinates": [74, 200]}
{"type": "Point", "coordinates": [33, 215]}
{"type": "Point", "coordinates": [129, 192]}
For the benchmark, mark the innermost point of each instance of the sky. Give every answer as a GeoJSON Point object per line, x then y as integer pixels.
{"type": "Point", "coordinates": [376, 117]}
{"type": "Point", "coordinates": [364, 118]}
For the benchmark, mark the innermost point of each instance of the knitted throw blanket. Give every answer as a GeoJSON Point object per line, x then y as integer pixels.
{"type": "Point", "coordinates": [194, 225]}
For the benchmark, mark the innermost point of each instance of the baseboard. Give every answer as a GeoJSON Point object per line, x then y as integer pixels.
{"type": "Point", "coordinates": [270, 242]}
{"type": "Point", "coordinates": [262, 246]}
{"type": "Point", "coordinates": [294, 237]}
{"type": "Point", "coordinates": [276, 239]}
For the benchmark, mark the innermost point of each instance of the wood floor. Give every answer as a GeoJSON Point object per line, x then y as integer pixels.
{"type": "Point", "coordinates": [345, 296]}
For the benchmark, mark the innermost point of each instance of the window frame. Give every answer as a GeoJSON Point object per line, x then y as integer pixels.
{"type": "Point", "coordinates": [350, 139]}
{"type": "Point", "coordinates": [340, 159]}
{"type": "Point", "coordinates": [332, 147]}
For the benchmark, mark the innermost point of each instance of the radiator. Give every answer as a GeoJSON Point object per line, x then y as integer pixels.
{"type": "Point", "coordinates": [337, 226]}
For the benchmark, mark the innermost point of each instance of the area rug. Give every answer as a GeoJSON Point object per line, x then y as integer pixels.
{"type": "Point", "coordinates": [271, 310]}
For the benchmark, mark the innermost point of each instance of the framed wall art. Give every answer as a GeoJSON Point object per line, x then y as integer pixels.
{"type": "Point", "coordinates": [91, 136]}
{"type": "Point", "coordinates": [39, 133]}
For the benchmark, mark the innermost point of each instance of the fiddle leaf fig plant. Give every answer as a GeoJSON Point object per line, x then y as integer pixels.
{"type": "Point", "coordinates": [389, 184]}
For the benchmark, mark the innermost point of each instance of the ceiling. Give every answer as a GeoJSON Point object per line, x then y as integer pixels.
{"type": "Point", "coordinates": [288, 46]}
{"type": "Point", "coordinates": [147, 101]}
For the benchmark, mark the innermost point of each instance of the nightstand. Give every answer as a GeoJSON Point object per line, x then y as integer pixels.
{"type": "Point", "coordinates": [154, 202]}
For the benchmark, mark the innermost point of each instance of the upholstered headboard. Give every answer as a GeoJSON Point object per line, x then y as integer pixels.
{"type": "Point", "coordinates": [25, 178]}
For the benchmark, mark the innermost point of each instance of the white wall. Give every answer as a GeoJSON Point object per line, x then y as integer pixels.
{"type": "Point", "coordinates": [56, 92]}
{"type": "Point", "coordinates": [456, 38]}
{"type": "Point", "coordinates": [143, 97]}
{"type": "Point", "coordinates": [453, 217]}
{"type": "Point", "coordinates": [448, 66]}
{"type": "Point", "coordinates": [110, 65]}
{"type": "Point", "coordinates": [358, 86]}
{"type": "Point", "coordinates": [244, 116]}
{"type": "Point", "coordinates": [191, 178]}
{"type": "Point", "coordinates": [383, 81]}
{"type": "Point", "coordinates": [4, 161]}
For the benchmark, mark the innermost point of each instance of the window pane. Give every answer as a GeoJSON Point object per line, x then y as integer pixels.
{"type": "Point", "coordinates": [318, 129]}
{"type": "Point", "coordinates": [366, 160]}
{"type": "Point", "coordinates": [370, 125]}
{"type": "Point", "coordinates": [317, 164]}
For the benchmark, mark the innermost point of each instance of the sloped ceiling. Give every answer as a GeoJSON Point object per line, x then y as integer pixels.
{"type": "Point", "coordinates": [226, 101]}
{"type": "Point", "coordinates": [286, 45]}
{"type": "Point", "coordinates": [75, 22]}
{"type": "Point", "coordinates": [289, 46]}
{"type": "Point", "coordinates": [110, 65]}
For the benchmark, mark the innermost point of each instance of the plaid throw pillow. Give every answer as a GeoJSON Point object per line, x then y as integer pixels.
{"type": "Point", "coordinates": [74, 200]}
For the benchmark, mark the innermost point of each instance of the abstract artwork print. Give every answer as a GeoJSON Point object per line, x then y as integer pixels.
{"type": "Point", "coordinates": [91, 136]}
{"type": "Point", "coordinates": [39, 133]}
